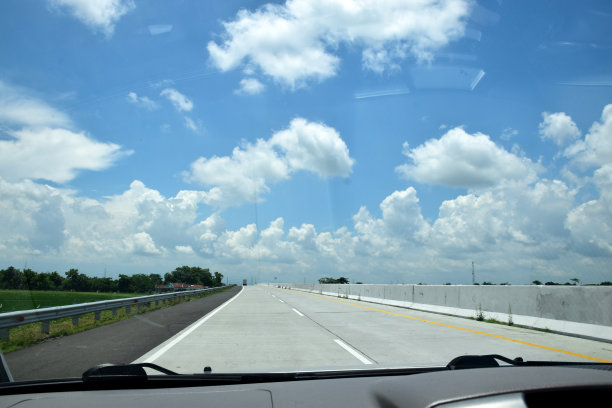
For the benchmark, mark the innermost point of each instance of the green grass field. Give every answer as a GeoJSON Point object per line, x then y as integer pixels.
{"type": "Point", "coordinates": [13, 300]}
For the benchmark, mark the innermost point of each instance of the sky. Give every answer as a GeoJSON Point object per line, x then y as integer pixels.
{"type": "Point", "coordinates": [384, 141]}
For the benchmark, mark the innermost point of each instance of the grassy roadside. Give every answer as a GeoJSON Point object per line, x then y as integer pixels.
{"type": "Point", "coordinates": [30, 334]}
{"type": "Point", "coordinates": [13, 300]}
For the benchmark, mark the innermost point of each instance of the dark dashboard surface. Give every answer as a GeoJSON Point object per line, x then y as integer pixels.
{"type": "Point", "coordinates": [491, 387]}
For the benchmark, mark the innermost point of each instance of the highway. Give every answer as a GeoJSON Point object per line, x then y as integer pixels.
{"type": "Point", "coordinates": [265, 328]}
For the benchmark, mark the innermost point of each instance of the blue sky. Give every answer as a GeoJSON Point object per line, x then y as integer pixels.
{"type": "Point", "coordinates": [297, 140]}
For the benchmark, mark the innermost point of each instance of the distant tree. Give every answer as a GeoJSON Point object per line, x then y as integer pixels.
{"type": "Point", "coordinates": [57, 280]}
{"type": "Point", "coordinates": [41, 282]}
{"type": "Point", "coordinates": [155, 279]}
{"type": "Point", "coordinates": [536, 282]}
{"type": "Point", "coordinates": [141, 283]}
{"type": "Point", "coordinates": [550, 283]}
{"type": "Point", "coordinates": [576, 281]}
{"type": "Point", "coordinates": [29, 279]}
{"type": "Point", "coordinates": [124, 284]}
{"type": "Point", "coordinates": [606, 283]}
{"type": "Point", "coordinates": [12, 278]}
{"type": "Point", "coordinates": [218, 279]}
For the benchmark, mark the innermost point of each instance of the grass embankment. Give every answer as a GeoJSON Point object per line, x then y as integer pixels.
{"type": "Point", "coordinates": [13, 300]}
{"type": "Point", "coordinates": [29, 334]}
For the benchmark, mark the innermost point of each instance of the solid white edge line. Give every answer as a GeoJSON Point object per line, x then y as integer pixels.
{"type": "Point", "coordinates": [297, 311]}
{"type": "Point", "coordinates": [189, 330]}
{"type": "Point", "coordinates": [354, 352]}
{"type": "Point", "coordinates": [282, 301]}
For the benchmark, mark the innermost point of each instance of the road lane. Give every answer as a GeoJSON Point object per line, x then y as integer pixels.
{"type": "Point", "coordinates": [391, 334]}
{"type": "Point", "coordinates": [270, 329]}
{"type": "Point", "coordinates": [255, 332]}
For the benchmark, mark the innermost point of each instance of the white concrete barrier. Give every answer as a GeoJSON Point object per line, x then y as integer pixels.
{"type": "Point", "coordinates": [584, 311]}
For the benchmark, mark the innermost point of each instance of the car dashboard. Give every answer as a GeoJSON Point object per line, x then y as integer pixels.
{"type": "Point", "coordinates": [482, 387]}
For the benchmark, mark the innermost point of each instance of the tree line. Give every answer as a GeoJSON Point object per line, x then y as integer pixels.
{"type": "Point", "coordinates": [27, 279]}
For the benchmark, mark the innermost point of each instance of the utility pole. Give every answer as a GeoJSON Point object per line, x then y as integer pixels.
{"type": "Point", "coordinates": [473, 276]}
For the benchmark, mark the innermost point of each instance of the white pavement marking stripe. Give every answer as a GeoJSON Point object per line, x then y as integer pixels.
{"type": "Point", "coordinates": [188, 331]}
{"type": "Point", "coordinates": [297, 311]}
{"type": "Point", "coordinates": [354, 352]}
{"type": "Point", "coordinates": [282, 301]}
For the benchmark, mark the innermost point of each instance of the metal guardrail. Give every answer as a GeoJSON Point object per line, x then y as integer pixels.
{"type": "Point", "coordinates": [46, 315]}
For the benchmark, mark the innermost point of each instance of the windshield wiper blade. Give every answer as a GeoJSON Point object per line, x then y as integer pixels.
{"type": "Point", "coordinates": [491, 360]}
{"type": "Point", "coordinates": [123, 371]}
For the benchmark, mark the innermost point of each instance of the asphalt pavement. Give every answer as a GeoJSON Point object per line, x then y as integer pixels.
{"type": "Point", "coordinates": [120, 342]}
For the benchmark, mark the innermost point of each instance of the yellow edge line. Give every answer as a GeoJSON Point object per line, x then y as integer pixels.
{"type": "Point", "coordinates": [462, 328]}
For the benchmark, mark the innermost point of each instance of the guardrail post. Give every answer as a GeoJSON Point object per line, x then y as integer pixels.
{"type": "Point", "coordinates": [139, 306]}
{"type": "Point", "coordinates": [46, 327]}
{"type": "Point", "coordinates": [4, 333]}
{"type": "Point", "coordinates": [157, 303]}
{"type": "Point", "coordinates": [114, 311]}
{"type": "Point", "coordinates": [128, 309]}
{"type": "Point", "coordinates": [97, 315]}
{"type": "Point", "coordinates": [75, 320]}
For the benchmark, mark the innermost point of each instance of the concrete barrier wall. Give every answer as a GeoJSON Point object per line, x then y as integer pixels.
{"type": "Point", "coordinates": [584, 311]}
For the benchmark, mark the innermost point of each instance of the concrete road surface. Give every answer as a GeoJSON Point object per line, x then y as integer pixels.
{"type": "Point", "coordinates": [269, 329]}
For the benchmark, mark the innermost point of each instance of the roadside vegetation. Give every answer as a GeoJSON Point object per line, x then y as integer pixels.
{"type": "Point", "coordinates": [13, 300]}
{"type": "Point", "coordinates": [27, 279]}
{"type": "Point", "coordinates": [30, 334]}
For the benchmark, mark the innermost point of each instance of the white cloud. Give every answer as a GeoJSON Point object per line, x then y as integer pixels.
{"type": "Point", "coordinates": [53, 154]}
{"type": "Point", "coordinates": [39, 145]}
{"type": "Point", "coordinates": [508, 133]}
{"type": "Point", "coordinates": [313, 147]}
{"type": "Point", "coordinates": [596, 148]}
{"type": "Point", "coordinates": [157, 29]}
{"type": "Point", "coordinates": [141, 242]}
{"type": "Point", "coordinates": [515, 230]}
{"type": "Point", "coordinates": [18, 107]}
{"type": "Point", "coordinates": [591, 222]}
{"type": "Point", "coordinates": [180, 102]}
{"type": "Point", "coordinates": [294, 43]}
{"type": "Point", "coordinates": [98, 15]}
{"type": "Point", "coordinates": [558, 127]}
{"type": "Point", "coordinates": [460, 159]}
{"type": "Point", "coordinates": [141, 101]}
{"type": "Point", "coordinates": [246, 174]}
{"type": "Point", "coordinates": [190, 124]}
{"type": "Point", "coordinates": [250, 86]}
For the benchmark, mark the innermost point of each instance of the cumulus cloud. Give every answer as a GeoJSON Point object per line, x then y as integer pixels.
{"type": "Point", "coordinates": [18, 107]}
{"type": "Point", "coordinates": [596, 148]}
{"type": "Point", "coordinates": [250, 86]}
{"type": "Point", "coordinates": [460, 159]}
{"type": "Point", "coordinates": [558, 127]}
{"type": "Point", "coordinates": [39, 143]}
{"type": "Point", "coordinates": [99, 16]}
{"type": "Point", "coordinates": [591, 222]}
{"type": "Point", "coordinates": [180, 102]}
{"type": "Point", "coordinates": [142, 101]}
{"type": "Point", "coordinates": [294, 43]}
{"type": "Point", "coordinates": [246, 175]}
{"type": "Point", "coordinates": [53, 154]}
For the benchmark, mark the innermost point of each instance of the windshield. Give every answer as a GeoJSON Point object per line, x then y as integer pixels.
{"type": "Point", "coordinates": [303, 184]}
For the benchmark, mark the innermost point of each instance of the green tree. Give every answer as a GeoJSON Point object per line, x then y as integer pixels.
{"type": "Point", "coordinates": [218, 279]}
{"type": "Point", "coordinates": [124, 284]}
{"type": "Point", "coordinates": [12, 278]}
